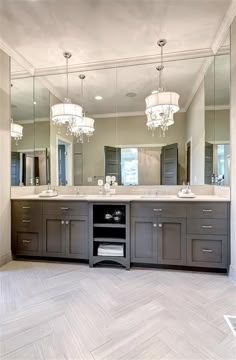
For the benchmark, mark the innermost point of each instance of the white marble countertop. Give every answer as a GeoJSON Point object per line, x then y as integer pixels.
{"type": "Point", "coordinates": [123, 198]}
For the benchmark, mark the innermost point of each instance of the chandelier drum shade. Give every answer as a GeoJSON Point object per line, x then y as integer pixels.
{"type": "Point", "coordinates": [85, 126]}
{"type": "Point", "coordinates": [82, 126]}
{"type": "Point", "coordinates": [161, 105]}
{"type": "Point", "coordinates": [66, 112]}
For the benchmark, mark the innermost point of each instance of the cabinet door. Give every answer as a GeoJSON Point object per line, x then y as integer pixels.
{"type": "Point", "coordinates": [172, 241]}
{"type": "Point", "coordinates": [77, 243]}
{"type": "Point", "coordinates": [53, 236]}
{"type": "Point", "coordinates": [143, 240]}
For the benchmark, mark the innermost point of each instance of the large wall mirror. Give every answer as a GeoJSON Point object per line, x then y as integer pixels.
{"type": "Point", "coordinates": [195, 148]}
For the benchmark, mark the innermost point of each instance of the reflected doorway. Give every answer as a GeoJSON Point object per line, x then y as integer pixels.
{"type": "Point", "coordinates": [64, 161]}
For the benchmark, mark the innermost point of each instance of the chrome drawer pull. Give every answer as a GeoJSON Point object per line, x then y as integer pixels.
{"type": "Point", "coordinates": [26, 241]}
{"type": "Point", "coordinates": [26, 221]}
{"type": "Point", "coordinates": [207, 250]}
{"type": "Point", "coordinates": [62, 222]}
{"type": "Point", "coordinates": [26, 207]}
{"type": "Point", "coordinates": [207, 226]}
{"type": "Point", "coordinates": [67, 222]}
{"type": "Point", "coordinates": [64, 208]}
{"type": "Point", "coordinates": [154, 225]}
{"type": "Point", "coordinates": [160, 225]}
{"type": "Point", "coordinates": [159, 210]}
{"type": "Point", "coordinates": [207, 210]}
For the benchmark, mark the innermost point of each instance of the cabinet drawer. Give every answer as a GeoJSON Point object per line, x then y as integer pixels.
{"type": "Point", "coordinates": [65, 208]}
{"type": "Point", "coordinates": [207, 226]}
{"type": "Point", "coordinates": [208, 210]}
{"type": "Point", "coordinates": [27, 243]}
{"type": "Point", "coordinates": [25, 207]}
{"type": "Point", "coordinates": [207, 251]}
{"type": "Point", "coordinates": [25, 223]}
{"type": "Point", "coordinates": [153, 209]}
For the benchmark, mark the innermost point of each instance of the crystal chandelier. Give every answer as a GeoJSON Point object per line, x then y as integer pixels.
{"type": "Point", "coordinates": [16, 131]}
{"type": "Point", "coordinates": [66, 112]}
{"type": "Point", "coordinates": [83, 125]}
{"type": "Point", "coordinates": [161, 105]}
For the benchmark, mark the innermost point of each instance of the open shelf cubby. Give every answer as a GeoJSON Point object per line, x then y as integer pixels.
{"type": "Point", "coordinates": [109, 224]}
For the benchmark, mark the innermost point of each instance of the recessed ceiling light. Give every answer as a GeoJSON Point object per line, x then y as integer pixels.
{"type": "Point", "coordinates": [98, 97]}
{"type": "Point", "coordinates": [131, 94]}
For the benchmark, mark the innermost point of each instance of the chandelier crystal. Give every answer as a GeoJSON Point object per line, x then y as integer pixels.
{"type": "Point", "coordinates": [83, 126]}
{"type": "Point", "coordinates": [66, 112]}
{"type": "Point", "coordinates": [161, 105]}
{"type": "Point", "coordinates": [16, 131]}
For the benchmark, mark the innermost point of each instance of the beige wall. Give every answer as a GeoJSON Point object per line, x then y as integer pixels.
{"type": "Point", "coordinates": [195, 130]}
{"type": "Point", "coordinates": [41, 140]}
{"type": "Point", "coordinates": [233, 150]}
{"type": "Point", "coordinates": [127, 131]}
{"type": "Point", "coordinates": [5, 160]}
{"type": "Point", "coordinates": [217, 126]}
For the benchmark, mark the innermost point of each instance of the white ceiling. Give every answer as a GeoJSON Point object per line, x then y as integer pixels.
{"type": "Point", "coordinates": [37, 32]}
{"type": "Point", "coordinates": [99, 30]}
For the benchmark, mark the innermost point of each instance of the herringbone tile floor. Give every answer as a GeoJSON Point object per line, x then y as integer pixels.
{"type": "Point", "coordinates": [69, 311]}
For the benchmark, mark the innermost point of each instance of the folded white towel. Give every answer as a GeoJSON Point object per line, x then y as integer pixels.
{"type": "Point", "coordinates": [111, 247]}
{"type": "Point", "coordinates": [110, 254]}
{"type": "Point", "coordinates": [110, 250]}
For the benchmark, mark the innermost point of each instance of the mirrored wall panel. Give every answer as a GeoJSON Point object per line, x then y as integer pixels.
{"type": "Point", "coordinates": [30, 133]}
{"type": "Point", "coordinates": [194, 147]}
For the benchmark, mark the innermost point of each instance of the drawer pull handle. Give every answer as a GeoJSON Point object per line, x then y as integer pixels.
{"type": "Point", "coordinates": [207, 210]}
{"type": "Point", "coordinates": [207, 226]}
{"type": "Point", "coordinates": [159, 210]}
{"type": "Point", "coordinates": [26, 207]}
{"type": "Point", "coordinates": [64, 208]}
{"type": "Point", "coordinates": [207, 250]}
{"type": "Point", "coordinates": [67, 222]}
{"type": "Point", "coordinates": [26, 241]}
{"type": "Point", "coordinates": [62, 222]}
{"type": "Point", "coordinates": [154, 225]}
{"type": "Point", "coordinates": [26, 221]}
{"type": "Point", "coordinates": [160, 225]}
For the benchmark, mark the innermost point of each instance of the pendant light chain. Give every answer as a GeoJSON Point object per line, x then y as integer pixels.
{"type": "Point", "coordinates": [67, 80]}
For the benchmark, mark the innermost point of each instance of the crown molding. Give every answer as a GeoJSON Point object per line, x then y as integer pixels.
{"type": "Point", "coordinates": [217, 107]}
{"type": "Point", "coordinates": [29, 69]}
{"type": "Point", "coordinates": [116, 63]}
{"type": "Point", "coordinates": [224, 27]}
{"type": "Point", "coordinates": [32, 121]}
{"type": "Point", "coordinates": [122, 114]}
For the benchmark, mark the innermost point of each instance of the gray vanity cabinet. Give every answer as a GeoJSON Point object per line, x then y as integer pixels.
{"type": "Point", "coordinates": [65, 236]}
{"type": "Point", "coordinates": [65, 229]}
{"type": "Point", "coordinates": [158, 235]}
{"type": "Point", "coordinates": [77, 244]}
{"type": "Point", "coordinates": [143, 240]}
{"type": "Point", "coordinates": [27, 228]}
{"type": "Point", "coordinates": [172, 241]}
{"type": "Point", "coordinates": [54, 236]}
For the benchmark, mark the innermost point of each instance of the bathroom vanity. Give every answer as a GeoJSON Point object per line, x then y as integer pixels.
{"type": "Point", "coordinates": [167, 232]}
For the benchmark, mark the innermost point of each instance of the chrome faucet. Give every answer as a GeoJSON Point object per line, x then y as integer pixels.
{"type": "Point", "coordinates": [76, 189]}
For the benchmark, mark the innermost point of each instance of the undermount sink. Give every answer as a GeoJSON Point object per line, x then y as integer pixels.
{"type": "Point", "coordinates": [72, 196]}
{"type": "Point", "coordinates": [157, 196]}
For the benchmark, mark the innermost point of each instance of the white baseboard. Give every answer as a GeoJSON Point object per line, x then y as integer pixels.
{"type": "Point", "coordinates": [232, 274]}
{"type": "Point", "coordinates": [4, 259]}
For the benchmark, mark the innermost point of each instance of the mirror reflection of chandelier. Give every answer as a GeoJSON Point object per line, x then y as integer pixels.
{"type": "Point", "coordinates": [16, 131]}
{"type": "Point", "coordinates": [83, 126]}
{"type": "Point", "coordinates": [161, 105]}
{"type": "Point", "coordinates": [66, 112]}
